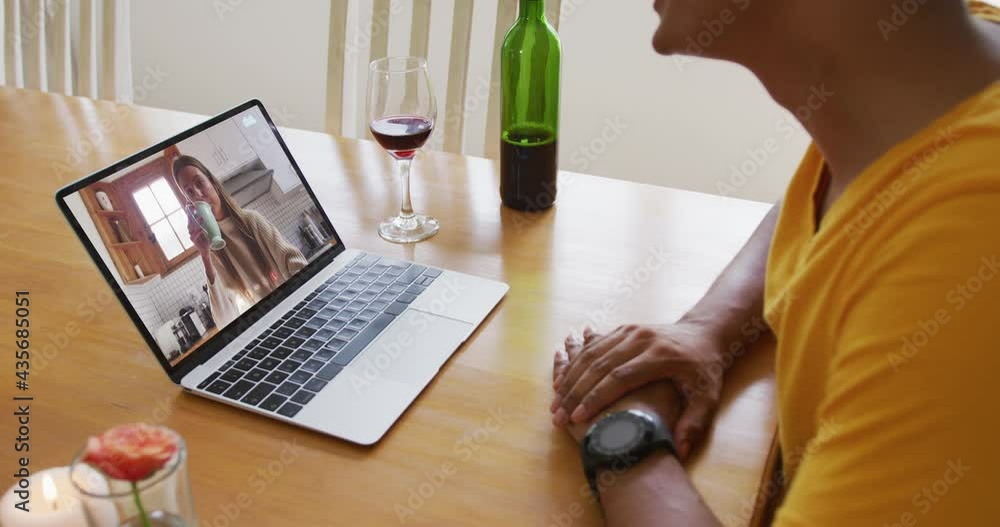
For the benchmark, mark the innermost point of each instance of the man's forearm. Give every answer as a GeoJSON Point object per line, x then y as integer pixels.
{"type": "Point", "coordinates": [733, 308]}
{"type": "Point", "coordinates": [656, 491]}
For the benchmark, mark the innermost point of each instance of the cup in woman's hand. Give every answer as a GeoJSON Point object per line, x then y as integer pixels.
{"type": "Point", "coordinates": [201, 211]}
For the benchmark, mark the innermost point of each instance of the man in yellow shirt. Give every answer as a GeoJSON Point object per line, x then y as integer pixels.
{"type": "Point", "coordinates": [878, 273]}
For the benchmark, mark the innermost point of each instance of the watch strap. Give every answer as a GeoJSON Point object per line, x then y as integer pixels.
{"type": "Point", "coordinates": [662, 439]}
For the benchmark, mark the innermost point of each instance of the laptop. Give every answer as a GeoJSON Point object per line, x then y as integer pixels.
{"type": "Point", "coordinates": [278, 317]}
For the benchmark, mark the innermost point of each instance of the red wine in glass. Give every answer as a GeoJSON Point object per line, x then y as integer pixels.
{"type": "Point", "coordinates": [402, 135]}
{"type": "Point", "coordinates": [401, 111]}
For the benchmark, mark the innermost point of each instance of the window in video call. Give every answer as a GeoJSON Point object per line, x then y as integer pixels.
{"type": "Point", "coordinates": [200, 232]}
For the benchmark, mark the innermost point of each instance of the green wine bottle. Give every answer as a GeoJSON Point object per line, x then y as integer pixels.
{"type": "Point", "coordinates": [529, 117]}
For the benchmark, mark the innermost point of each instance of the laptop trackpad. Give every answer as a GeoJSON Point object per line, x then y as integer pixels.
{"type": "Point", "coordinates": [363, 401]}
{"type": "Point", "coordinates": [411, 350]}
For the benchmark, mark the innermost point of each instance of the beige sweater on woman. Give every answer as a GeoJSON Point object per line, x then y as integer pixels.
{"type": "Point", "coordinates": [227, 302]}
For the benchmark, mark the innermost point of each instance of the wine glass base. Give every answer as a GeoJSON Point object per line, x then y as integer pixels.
{"type": "Point", "coordinates": [408, 230]}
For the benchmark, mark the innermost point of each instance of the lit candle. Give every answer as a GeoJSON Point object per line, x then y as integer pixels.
{"type": "Point", "coordinates": [50, 500]}
{"type": "Point", "coordinates": [51, 493]}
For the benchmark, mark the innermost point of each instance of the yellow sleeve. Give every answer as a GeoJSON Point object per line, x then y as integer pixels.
{"type": "Point", "coordinates": [911, 396]}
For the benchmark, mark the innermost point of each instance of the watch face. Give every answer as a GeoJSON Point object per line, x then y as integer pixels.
{"type": "Point", "coordinates": [618, 434]}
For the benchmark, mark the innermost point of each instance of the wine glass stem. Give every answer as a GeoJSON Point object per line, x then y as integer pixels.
{"type": "Point", "coordinates": [406, 207]}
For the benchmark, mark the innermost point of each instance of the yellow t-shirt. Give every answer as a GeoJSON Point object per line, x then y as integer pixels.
{"type": "Point", "coordinates": [888, 367]}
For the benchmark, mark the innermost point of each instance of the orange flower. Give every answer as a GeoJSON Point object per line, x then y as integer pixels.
{"type": "Point", "coordinates": [131, 452]}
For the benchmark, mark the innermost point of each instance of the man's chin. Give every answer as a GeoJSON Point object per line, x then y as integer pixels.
{"type": "Point", "coordinates": [666, 44]}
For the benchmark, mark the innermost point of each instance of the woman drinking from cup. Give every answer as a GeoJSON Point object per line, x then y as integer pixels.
{"type": "Point", "coordinates": [244, 255]}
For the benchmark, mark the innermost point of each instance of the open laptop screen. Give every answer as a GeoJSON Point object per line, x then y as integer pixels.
{"type": "Point", "coordinates": [199, 231]}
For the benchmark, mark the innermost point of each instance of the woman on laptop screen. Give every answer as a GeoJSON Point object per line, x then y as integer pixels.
{"type": "Point", "coordinates": [244, 255]}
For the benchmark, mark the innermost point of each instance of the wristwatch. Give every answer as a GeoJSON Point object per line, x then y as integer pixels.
{"type": "Point", "coordinates": [621, 440]}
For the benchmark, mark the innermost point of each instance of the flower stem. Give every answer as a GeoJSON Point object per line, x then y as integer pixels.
{"type": "Point", "coordinates": [138, 505]}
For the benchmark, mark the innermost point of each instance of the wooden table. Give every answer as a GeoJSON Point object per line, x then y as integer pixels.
{"type": "Point", "coordinates": [587, 260]}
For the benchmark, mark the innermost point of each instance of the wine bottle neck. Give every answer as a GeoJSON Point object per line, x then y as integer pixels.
{"type": "Point", "coordinates": [531, 9]}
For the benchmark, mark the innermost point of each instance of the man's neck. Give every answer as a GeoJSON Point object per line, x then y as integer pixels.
{"type": "Point", "coordinates": [878, 89]}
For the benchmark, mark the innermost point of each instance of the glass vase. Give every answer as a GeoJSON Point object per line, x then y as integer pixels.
{"type": "Point", "coordinates": [163, 499]}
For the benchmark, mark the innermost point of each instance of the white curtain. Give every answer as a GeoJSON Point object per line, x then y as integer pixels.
{"type": "Point", "coordinates": [75, 47]}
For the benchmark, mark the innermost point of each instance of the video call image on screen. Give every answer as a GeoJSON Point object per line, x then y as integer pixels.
{"type": "Point", "coordinates": [200, 232]}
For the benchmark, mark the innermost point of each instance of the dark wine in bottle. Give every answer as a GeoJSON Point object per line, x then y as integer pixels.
{"type": "Point", "coordinates": [528, 168]}
{"type": "Point", "coordinates": [529, 116]}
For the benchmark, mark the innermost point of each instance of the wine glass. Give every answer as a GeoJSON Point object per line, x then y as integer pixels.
{"type": "Point", "coordinates": [401, 115]}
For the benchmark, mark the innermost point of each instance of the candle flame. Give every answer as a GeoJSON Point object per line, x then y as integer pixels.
{"type": "Point", "coordinates": [49, 489]}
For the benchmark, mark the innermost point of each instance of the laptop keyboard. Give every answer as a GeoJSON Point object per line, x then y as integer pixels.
{"type": "Point", "coordinates": [289, 363]}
